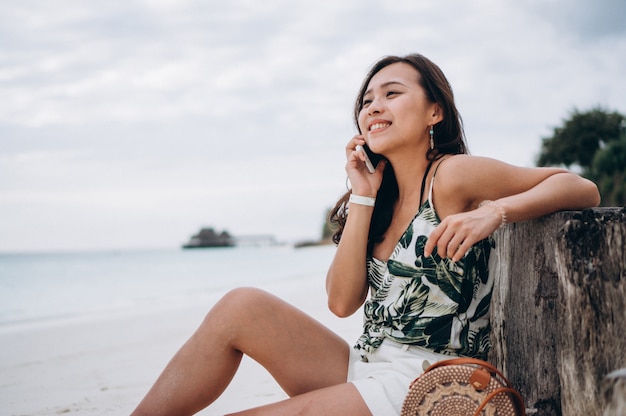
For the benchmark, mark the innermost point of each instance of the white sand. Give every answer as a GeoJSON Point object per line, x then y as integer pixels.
{"type": "Point", "coordinates": [105, 364]}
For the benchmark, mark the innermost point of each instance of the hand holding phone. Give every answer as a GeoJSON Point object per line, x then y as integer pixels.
{"type": "Point", "coordinates": [371, 159]}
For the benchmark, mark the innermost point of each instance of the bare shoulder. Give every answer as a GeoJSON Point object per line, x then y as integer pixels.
{"type": "Point", "coordinates": [460, 171]}
{"type": "Point", "coordinates": [456, 177]}
{"type": "Point", "coordinates": [456, 163]}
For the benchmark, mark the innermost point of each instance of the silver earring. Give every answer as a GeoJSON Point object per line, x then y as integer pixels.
{"type": "Point", "coordinates": [432, 138]}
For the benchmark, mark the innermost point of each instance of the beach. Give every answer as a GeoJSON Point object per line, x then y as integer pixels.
{"type": "Point", "coordinates": [104, 362]}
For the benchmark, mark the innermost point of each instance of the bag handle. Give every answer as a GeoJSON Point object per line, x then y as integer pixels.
{"type": "Point", "coordinates": [519, 401]}
{"type": "Point", "coordinates": [473, 361]}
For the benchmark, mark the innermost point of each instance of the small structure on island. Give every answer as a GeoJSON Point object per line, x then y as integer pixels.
{"type": "Point", "coordinates": [209, 238]}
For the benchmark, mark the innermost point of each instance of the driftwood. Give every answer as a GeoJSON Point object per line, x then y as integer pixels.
{"type": "Point", "coordinates": [559, 309]}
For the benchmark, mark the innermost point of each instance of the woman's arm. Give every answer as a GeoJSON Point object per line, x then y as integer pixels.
{"type": "Point", "coordinates": [519, 194]}
{"type": "Point", "coordinates": [559, 191]}
{"type": "Point", "coordinates": [346, 281]}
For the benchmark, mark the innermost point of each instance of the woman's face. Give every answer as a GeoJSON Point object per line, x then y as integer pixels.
{"type": "Point", "coordinates": [395, 111]}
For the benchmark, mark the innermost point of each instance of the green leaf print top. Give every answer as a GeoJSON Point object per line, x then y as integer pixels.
{"type": "Point", "coordinates": [429, 302]}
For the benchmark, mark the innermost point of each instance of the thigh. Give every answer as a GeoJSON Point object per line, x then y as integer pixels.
{"type": "Point", "coordinates": [300, 353]}
{"type": "Point", "coordinates": [339, 400]}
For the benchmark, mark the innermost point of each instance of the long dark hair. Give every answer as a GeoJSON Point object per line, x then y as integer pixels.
{"type": "Point", "coordinates": [448, 134]}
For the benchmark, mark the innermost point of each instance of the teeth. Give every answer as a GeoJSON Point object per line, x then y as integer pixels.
{"type": "Point", "coordinates": [378, 126]}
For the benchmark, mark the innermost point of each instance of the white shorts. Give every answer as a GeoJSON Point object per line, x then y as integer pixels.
{"type": "Point", "coordinates": [384, 376]}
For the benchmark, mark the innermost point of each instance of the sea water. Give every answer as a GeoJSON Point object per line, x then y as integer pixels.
{"type": "Point", "coordinates": [49, 286]}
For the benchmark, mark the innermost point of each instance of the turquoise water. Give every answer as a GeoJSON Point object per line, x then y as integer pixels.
{"type": "Point", "coordinates": [37, 287]}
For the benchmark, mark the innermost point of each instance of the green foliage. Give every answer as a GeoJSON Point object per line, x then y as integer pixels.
{"type": "Point", "coordinates": [328, 229]}
{"type": "Point", "coordinates": [596, 142]}
{"type": "Point", "coordinates": [580, 137]}
{"type": "Point", "coordinates": [610, 159]}
{"type": "Point", "coordinates": [608, 171]}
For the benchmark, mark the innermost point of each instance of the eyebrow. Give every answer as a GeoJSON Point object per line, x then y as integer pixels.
{"type": "Point", "coordinates": [386, 84]}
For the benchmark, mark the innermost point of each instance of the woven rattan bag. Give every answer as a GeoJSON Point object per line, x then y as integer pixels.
{"type": "Point", "coordinates": [462, 387]}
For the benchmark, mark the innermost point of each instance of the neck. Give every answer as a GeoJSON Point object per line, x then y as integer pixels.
{"type": "Point", "coordinates": [409, 171]}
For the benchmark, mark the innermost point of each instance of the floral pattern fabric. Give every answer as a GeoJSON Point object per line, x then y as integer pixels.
{"type": "Point", "coordinates": [429, 302]}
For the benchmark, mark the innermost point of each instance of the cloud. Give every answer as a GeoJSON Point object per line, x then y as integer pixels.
{"type": "Point", "coordinates": [587, 21]}
{"type": "Point", "coordinates": [139, 121]}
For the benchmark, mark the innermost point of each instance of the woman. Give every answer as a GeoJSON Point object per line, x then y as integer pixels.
{"type": "Point", "coordinates": [416, 239]}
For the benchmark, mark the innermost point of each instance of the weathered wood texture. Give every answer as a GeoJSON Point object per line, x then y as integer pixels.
{"type": "Point", "coordinates": [559, 308]}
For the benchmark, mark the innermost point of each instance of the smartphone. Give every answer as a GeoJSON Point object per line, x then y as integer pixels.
{"type": "Point", "coordinates": [371, 159]}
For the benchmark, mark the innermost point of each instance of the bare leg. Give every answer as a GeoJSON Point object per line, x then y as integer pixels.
{"type": "Point", "coordinates": [300, 353]}
{"type": "Point", "coordinates": [340, 400]}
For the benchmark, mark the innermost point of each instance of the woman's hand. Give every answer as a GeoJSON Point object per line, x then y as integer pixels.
{"type": "Point", "coordinates": [363, 183]}
{"type": "Point", "coordinates": [457, 233]}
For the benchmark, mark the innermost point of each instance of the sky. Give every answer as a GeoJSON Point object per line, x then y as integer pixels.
{"type": "Point", "coordinates": [130, 124]}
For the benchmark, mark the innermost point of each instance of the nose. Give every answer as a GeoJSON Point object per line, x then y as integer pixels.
{"type": "Point", "coordinates": [374, 107]}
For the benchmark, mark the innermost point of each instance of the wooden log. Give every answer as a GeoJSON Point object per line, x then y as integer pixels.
{"type": "Point", "coordinates": [523, 311]}
{"type": "Point", "coordinates": [558, 311]}
{"type": "Point", "coordinates": [591, 264]}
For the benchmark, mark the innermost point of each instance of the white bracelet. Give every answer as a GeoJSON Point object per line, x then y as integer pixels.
{"type": "Point", "coordinates": [362, 200]}
{"type": "Point", "coordinates": [498, 208]}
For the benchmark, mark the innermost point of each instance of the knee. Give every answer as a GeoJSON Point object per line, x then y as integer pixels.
{"type": "Point", "coordinates": [235, 311]}
{"type": "Point", "coordinates": [243, 298]}
{"type": "Point", "coordinates": [240, 304]}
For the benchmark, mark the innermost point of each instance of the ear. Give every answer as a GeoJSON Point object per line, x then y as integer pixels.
{"type": "Point", "coordinates": [436, 114]}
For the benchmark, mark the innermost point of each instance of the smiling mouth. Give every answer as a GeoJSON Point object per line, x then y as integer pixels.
{"type": "Point", "coordinates": [377, 126]}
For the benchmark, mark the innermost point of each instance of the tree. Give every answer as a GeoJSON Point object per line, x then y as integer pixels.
{"type": "Point", "coordinates": [608, 171]}
{"type": "Point", "coordinates": [594, 141]}
{"type": "Point", "coordinates": [328, 229]}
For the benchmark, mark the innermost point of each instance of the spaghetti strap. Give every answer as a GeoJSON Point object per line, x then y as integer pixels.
{"type": "Point", "coordinates": [424, 180]}
{"type": "Point", "coordinates": [432, 183]}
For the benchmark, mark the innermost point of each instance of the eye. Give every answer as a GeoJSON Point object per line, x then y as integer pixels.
{"type": "Point", "coordinates": [365, 103]}
{"type": "Point", "coordinates": [390, 93]}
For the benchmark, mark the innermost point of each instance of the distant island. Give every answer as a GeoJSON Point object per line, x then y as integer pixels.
{"type": "Point", "coordinates": [208, 238]}
{"type": "Point", "coordinates": [313, 243]}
